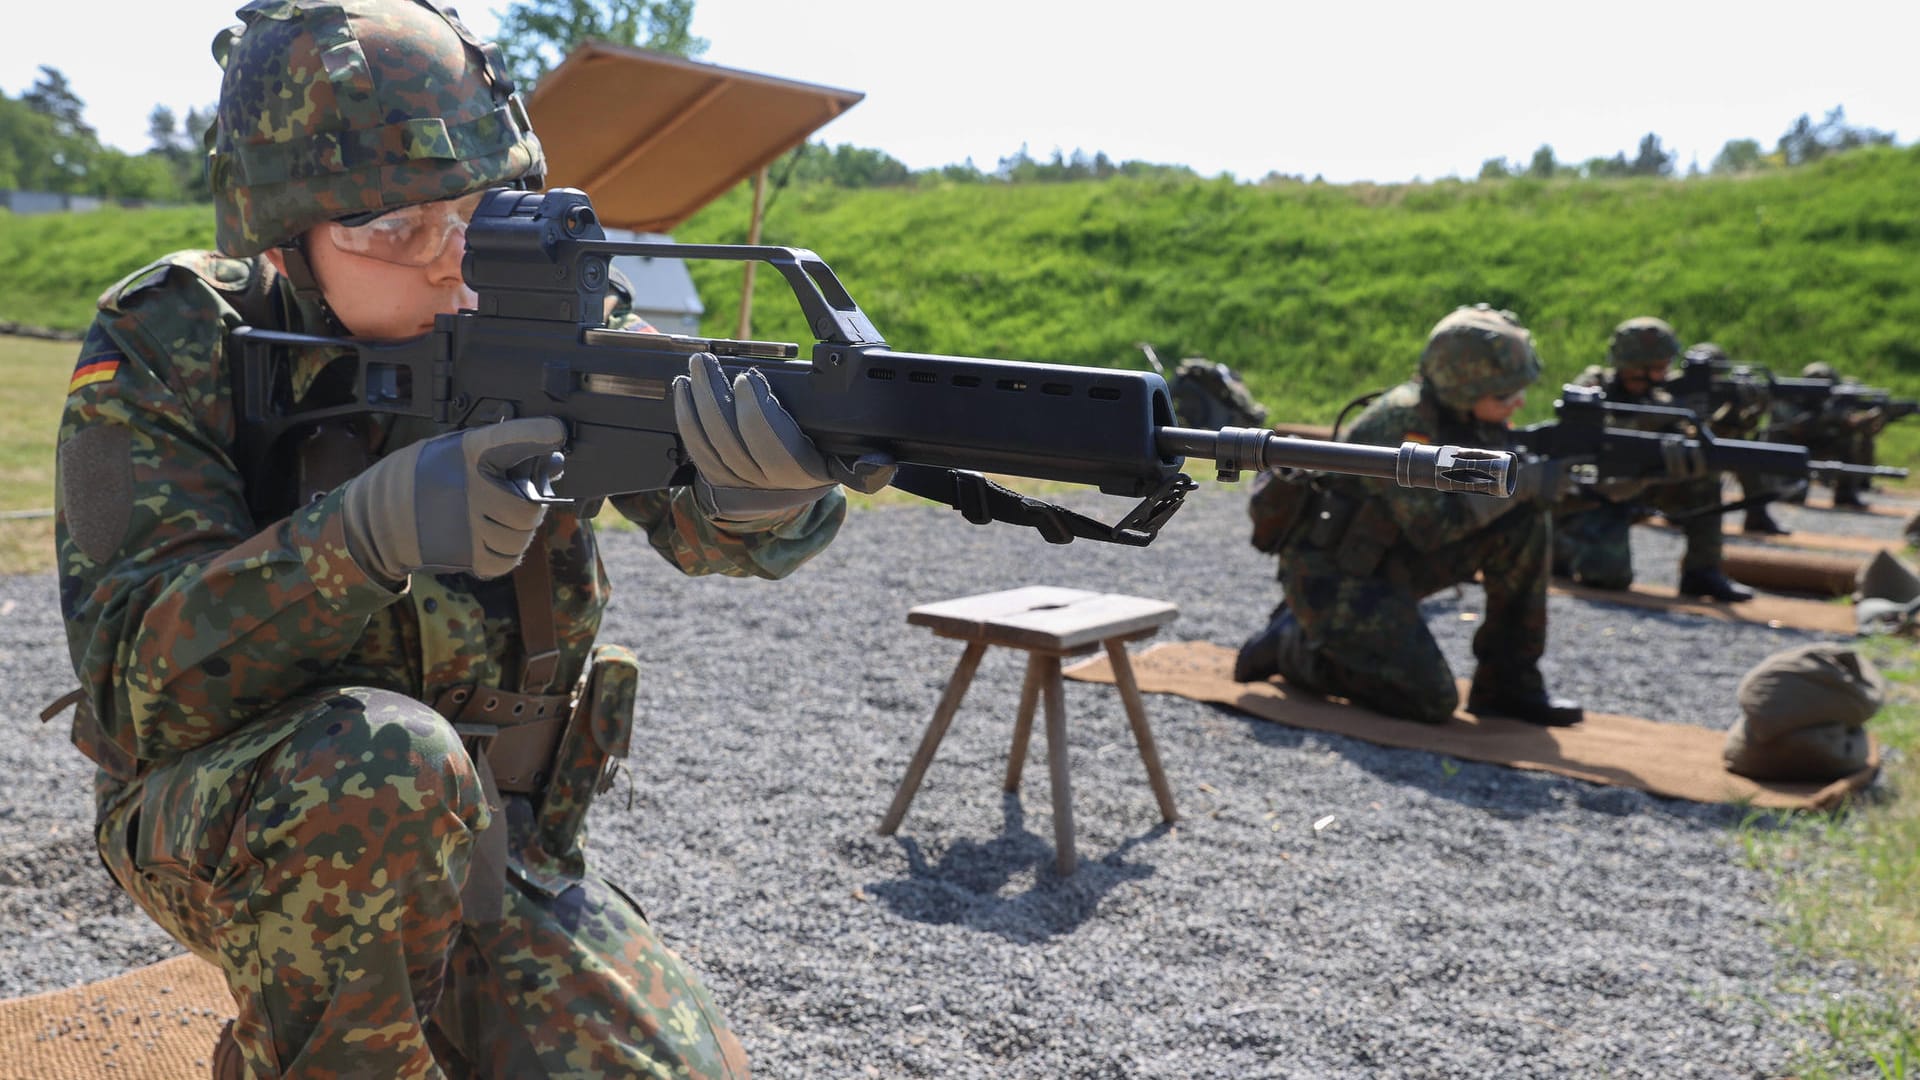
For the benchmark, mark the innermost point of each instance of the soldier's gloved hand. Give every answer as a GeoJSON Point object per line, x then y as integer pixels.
{"type": "Point", "coordinates": [1681, 461]}
{"type": "Point", "coordinates": [1620, 489]}
{"type": "Point", "coordinates": [751, 458]}
{"type": "Point", "coordinates": [444, 505]}
{"type": "Point", "coordinates": [1542, 481]}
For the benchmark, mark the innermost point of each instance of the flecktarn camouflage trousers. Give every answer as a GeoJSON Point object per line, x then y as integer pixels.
{"type": "Point", "coordinates": [317, 856]}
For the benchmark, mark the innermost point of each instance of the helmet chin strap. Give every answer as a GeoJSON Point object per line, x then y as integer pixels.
{"type": "Point", "coordinates": [306, 286]}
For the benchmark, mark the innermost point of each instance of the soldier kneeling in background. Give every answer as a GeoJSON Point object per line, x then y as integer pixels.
{"type": "Point", "coordinates": [1357, 555]}
{"type": "Point", "coordinates": [1591, 532]}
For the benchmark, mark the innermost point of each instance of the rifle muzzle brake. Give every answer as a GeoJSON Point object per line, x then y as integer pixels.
{"type": "Point", "coordinates": [1414, 465]}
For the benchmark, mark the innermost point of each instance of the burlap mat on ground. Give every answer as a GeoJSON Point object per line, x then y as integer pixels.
{"type": "Point", "coordinates": [1878, 508]}
{"type": "Point", "coordinates": [1679, 761]}
{"type": "Point", "coordinates": [1805, 541]}
{"type": "Point", "coordinates": [158, 1022]}
{"type": "Point", "coordinates": [1829, 617]}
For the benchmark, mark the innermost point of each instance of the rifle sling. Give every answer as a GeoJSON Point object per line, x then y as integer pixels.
{"type": "Point", "coordinates": [511, 736]}
{"type": "Point", "coordinates": [980, 501]}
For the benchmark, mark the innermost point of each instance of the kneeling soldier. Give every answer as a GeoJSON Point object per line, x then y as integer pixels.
{"type": "Point", "coordinates": [1358, 555]}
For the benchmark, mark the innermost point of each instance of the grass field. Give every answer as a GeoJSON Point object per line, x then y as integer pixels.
{"type": "Point", "coordinates": [35, 373]}
{"type": "Point", "coordinates": [1849, 887]}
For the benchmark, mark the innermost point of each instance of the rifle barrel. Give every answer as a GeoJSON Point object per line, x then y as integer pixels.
{"type": "Point", "coordinates": [1846, 468]}
{"type": "Point", "coordinates": [1412, 465]}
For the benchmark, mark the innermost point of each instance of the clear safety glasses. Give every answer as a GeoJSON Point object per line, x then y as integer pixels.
{"type": "Point", "coordinates": [410, 236]}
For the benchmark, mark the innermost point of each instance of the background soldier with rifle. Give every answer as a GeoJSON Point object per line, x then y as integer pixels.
{"type": "Point", "coordinates": [1357, 556]}
{"type": "Point", "coordinates": [1840, 425]}
{"type": "Point", "coordinates": [1834, 419]}
{"type": "Point", "coordinates": [1739, 414]}
{"type": "Point", "coordinates": [1591, 527]}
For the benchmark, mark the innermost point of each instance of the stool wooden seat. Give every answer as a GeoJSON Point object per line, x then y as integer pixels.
{"type": "Point", "coordinates": [1049, 623]}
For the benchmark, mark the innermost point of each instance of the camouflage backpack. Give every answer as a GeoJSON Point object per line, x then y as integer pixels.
{"type": "Point", "coordinates": [1209, 395]}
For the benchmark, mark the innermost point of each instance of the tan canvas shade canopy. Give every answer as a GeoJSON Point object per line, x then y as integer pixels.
{"type": "Point", "coordinates": [653, 138]}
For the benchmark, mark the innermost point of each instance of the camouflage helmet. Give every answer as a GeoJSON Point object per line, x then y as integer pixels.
{"type": "Point", "coordinates": [620, 288]}
{"type": "Point", "coordinates": [1641, 343]}
{"type": "Point", "coordinates": [335, 108]}
{"type": "Point", "coordinates": [1477, 351]}
{"type": "Point", "coordinates": [1707, 353]}
{"type": "Point", "coordinates": [1819, 369]}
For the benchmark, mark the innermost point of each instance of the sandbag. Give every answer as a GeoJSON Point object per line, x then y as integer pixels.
{"type": "Point", "coordinates": [1886, 597]}
{"type": "Point", "coordinates": [1803, 712]}
{"type": "Point", "coordinates": [1885, 577]}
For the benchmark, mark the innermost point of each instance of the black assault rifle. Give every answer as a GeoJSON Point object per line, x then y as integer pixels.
{"type": "Point", "coordinates": [1715, 383]}
{"type": "Point", "coordinates": [1581, 436]}
{"type": "Point", "coordinates": [536, 346]}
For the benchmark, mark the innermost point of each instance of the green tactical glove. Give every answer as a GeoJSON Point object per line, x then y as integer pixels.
{"type": "Point", "coordinates": [751, 458]}
{"type": "Point", "coordinates": [444, 504]}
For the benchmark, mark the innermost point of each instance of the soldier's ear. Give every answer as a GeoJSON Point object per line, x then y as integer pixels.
{"type": "Point", "coordinates": [278, 258]}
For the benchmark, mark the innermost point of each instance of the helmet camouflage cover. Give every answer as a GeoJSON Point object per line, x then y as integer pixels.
{"type": "Point", "coordinates": [335, 108]}
{"type": "Point", "coordinates": [620, 287]}
{"type": "Point", "coordinates": [1477, 351]}
{"type": "Point", "coordinates": [1641, 343]}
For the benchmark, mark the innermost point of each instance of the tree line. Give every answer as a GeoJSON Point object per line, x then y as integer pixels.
{"type": "Point", "coordinates": [46, 144]}
{"type": "Point", "coordinates": [1804, 141]}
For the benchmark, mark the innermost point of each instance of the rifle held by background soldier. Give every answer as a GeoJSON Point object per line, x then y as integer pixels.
{"type": "Point", "coordinates": [1582, 437]}
{"type": "Point", "coordinates": [1717, 384]}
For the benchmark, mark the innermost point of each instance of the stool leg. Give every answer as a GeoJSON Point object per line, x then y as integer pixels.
{"type": "Point", "coordinates": [1056, 695]}
{"type": "Point", "coordinates": [942, 716]}
{"type": "Point", "coordinates": [1142, 735]}
{"type": "Point", "coordinates": [1023, 726]}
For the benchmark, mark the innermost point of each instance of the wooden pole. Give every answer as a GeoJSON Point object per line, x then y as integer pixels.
{"type": "Point", "coordinates": [745, 330]}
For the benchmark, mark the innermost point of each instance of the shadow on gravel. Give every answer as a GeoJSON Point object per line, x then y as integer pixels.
{"type": "Point", "coordinates": [965, 885]}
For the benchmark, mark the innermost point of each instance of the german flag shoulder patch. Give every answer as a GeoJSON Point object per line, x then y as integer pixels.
{"type": "Point", "coordinates": [94, 368]}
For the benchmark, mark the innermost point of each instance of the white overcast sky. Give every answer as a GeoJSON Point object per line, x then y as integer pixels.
{"type": "Point", "coordinates": [1385, 91]}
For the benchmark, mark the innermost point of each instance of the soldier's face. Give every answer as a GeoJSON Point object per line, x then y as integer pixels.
{"type": "Point", "coordinates": [1498, 409]}
{"type": "Point", "coordinates": [1639, 380]}
{"type": "Point", "coordinates": [385, 300]}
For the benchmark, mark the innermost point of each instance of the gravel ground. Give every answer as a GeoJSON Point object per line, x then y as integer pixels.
{"type": "Point", "coordinates": [1455, 919]}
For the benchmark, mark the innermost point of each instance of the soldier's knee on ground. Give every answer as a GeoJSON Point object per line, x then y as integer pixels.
{"type": "Point", "coordinates": [1428, 697]}
{"type": "Point", "coordinates": [1423, 704]}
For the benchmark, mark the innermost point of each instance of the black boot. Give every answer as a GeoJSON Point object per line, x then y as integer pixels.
{"type": "Point", "coordinates": [1532, 707]}
{"type": "Point", "coordinates": [1711, 583]}
{"type": "Point", "coordinates": [1259, 658]}
{"type": "Point", "coordinates": [1760, 523]}
{"type": "Point", "coordinates": [1848, 498]}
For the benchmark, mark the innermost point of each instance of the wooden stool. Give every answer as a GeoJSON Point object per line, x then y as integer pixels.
{"type": "Point", "coordinates": [1049, 623]}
